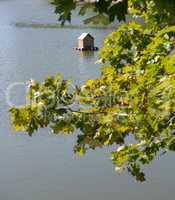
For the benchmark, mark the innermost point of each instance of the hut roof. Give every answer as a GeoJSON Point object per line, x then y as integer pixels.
{"type": "Point", "coordinates": [84, 35]}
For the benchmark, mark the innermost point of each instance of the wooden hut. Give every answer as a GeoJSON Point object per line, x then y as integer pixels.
{"type": "Point", "coordinates": [86, 42]}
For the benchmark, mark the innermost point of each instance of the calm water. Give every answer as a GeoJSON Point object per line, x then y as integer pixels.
{"type": "Point", "coordinates": [44, 167]}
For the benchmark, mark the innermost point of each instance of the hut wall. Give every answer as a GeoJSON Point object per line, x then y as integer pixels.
{"type": "Point", "coordinates": [88, 42]}
{"type": "Point", "coordinates": [80, 44]}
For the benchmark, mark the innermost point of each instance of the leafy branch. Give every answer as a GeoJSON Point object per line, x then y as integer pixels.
{"type": "Point", "coordinates": [134, 95]}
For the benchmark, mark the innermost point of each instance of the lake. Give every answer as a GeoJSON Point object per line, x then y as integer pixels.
{"type": "Point", "coordinates": [43, 167]}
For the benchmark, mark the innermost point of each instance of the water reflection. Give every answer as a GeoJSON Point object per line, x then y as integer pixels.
{"type": "Point", "coordinates": [89, 57]}
{"type": "Point", "coordinates": [86, 54]}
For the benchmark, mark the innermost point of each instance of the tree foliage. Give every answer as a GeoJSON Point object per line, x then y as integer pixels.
{"type": "Point", "coordinates": [130, 106]}
{"type": "Point", "coordinates": [110, 10]}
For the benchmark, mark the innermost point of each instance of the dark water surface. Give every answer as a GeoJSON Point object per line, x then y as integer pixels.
{"type": "Point", "coordinates": [44, 167]}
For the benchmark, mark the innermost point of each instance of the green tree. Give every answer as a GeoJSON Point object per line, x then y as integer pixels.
{"type": "Point", "coordinates": [134, 96]}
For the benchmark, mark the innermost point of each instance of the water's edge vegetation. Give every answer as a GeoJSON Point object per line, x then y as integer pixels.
{"type": "Point", "coordinates": [58, 26]}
